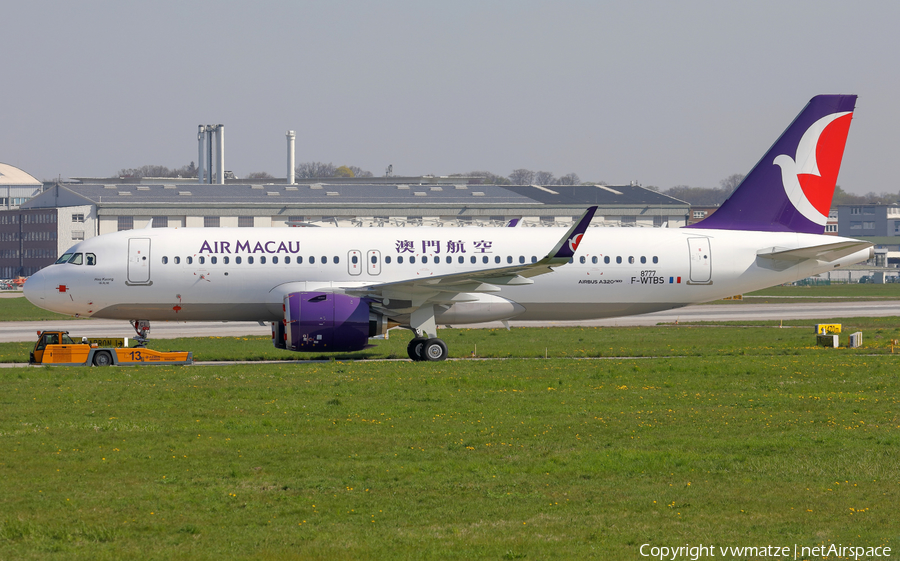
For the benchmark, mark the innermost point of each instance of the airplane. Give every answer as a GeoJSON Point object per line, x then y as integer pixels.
{"type": "Point", "coordinates": [334, 289]}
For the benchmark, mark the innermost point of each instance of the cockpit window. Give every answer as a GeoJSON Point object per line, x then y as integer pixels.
{"type": "Point", "coordinates": [90, 259]}
{"type": "Point", "coordinates": [64, 259]}
{"type": "Point", "coordinates": [77, 259]}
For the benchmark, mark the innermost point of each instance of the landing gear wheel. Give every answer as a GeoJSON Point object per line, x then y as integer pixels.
{"type": "Point", "coordinates": [434, 349]}
{"type": "Point", "coordinates": [415, 347]}
{"type": "Point", "coordinates": [102, 359]}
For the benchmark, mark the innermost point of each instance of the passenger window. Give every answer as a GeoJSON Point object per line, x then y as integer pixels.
{"type": "Point", "coordinates": [619, 260]}
{"type": "Point", "coordinates": [643, 259]}
{"type": "Point", "coordinates": [473, 259]}
{"type": "Point", "coordinates": [190, 260]}
{"type": "Point", "coordinates": [237, 260]}
{"type": "Point", "coordinates": [77, 259]}
{"type": "Point", "coordinates": [324, 260]}
{"type": "Point", "coordinates": [312, 259]}
{"type": "Point", "coordinates": [213, 259]}
{"type": "Point", "coordinates": [571, 260]}
{"type": "Point", "coordinates": [424, 259]}
{"type": "Point", "coordinates": [387, 259]}
{"type": "Point", "coordinates": [521, 259]}
{"type": "Point", "coordinates": [225, 260]}
{"type": "Point", "coordinates": [64, 258]}
{"type": "Point", "coordinates": [461, 260]}
{"type": "Point", "coordinates": [177, 260]}
{"type": "Point", "coordinates": [497, 259]}
{"type": "Point", "coordinates": [201, 260]}
{"type": "Point", "coordinates": [655, 259]}
{"type": "Point", "coordinates": [262, 260]}
{"type": "Point", "coordinates": [355, 260]}
{"type": "Point", "coordinates": [249, 259]}
{"type": "Point", "coordinates": [400, 259]}
{"type": "Point", "coordinates": [484, 259]}
{"type": "Point", "coordinates": [631, 259]}
{"type": "Point", "coordinates": [533, 259]}
{"type": "Point", "coordinates": [606, 259]}
{"type": "Point", "coordinates": [165, 260]}
{"type": "Point", "coordinates": [299, 260]}
{"type": "Point", "coordinates": [594, 260]}
{"type": "Point", "coordinates": [582, 259]}
{"type": "Point", "coordinates": [374, 259]}
{"type": "Point", "coordinates": [287, 259]}
{"type": "Point", "coordinates": [90, 258]}
{"type": "Point", "coordinates": [412, 259]}
{"type": "Point", "coordinates": [336, 260]}
{"type": "Point", "coordinates": [274, 259]}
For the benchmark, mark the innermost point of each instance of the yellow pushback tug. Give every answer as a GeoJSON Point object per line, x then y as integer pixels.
{"type": "Point", "coordinates": [57, 348]}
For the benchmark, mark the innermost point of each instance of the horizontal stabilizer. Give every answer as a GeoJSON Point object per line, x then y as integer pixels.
{"type": "Point", "coordinates": [825, 252]}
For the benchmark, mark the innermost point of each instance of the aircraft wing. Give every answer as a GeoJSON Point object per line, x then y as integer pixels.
{"type": "Point", "coordinates": [408, 295]}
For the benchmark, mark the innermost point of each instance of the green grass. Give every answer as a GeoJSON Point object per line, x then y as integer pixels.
{"type": "Point", "coordinates": [533, 459]}
{"type": "Point", "coordinates": [797, 337]}
{"type": "Point", "coordinates": [20, 309]}
{"type": "Point", "coordinates": [836, 291]}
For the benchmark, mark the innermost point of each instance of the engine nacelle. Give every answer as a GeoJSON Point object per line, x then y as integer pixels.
{"type": "Point", "coordinates": [325, 321]}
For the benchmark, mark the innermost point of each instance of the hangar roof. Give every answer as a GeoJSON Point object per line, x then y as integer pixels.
{"type": "Point", "coordinates": [191, 194]}
{"type": "Point", "coordinates": [11, 175]}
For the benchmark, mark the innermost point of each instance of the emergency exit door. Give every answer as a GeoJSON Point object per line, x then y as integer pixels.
{"type": "Point", "coordinates": [139, 261]}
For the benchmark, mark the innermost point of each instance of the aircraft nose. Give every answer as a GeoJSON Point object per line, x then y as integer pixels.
{"type": "Point", "coordinates": [35, 288]}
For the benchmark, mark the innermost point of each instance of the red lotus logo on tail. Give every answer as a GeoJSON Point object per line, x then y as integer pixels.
{"type": "Point", "coordinates": [810, 177]}
{"type": "Point", "coordinates": [574, 241]}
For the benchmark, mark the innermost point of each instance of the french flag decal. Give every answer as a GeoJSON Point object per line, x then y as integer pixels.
{"type": "Point", "coordinates": [674, 280]}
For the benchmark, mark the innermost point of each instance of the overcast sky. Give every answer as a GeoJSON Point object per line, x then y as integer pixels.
{"type": "Point", "coordinates": [664, 93]}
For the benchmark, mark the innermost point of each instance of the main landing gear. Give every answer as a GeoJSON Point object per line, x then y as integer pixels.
{"type": "Point", "coordinates": [426, 349]}
{"type": "Point", "coordinates": [423, 347]}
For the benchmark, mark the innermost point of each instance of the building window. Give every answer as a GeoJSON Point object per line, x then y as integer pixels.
{"type": "Point", "coordinates": [77, 234]}
{"type": "Point", "coordinates": [78, 217]}
{"type": "Point", "coordinates": [245, 221]}
{"type": "Point", "coordinates": [855, 210]}
{"type": "Point", "coordinates": [699, 213]}
{"type": "Point", "coordinates": [210, 221]}
{"type": "Point", "coordinates": [868, 225]}
{"type": "Point", "coordinates": [856, 225]}
{"type": "Point", "coordinates": [831, 228]}
{"type": "Point", "coordinates": [160, 221]}
{"type": "Point", "coordinates": [126, 223]}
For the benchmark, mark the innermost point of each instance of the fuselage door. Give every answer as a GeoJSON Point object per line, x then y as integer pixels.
{"type": "Point", "coordinates": [354, 262]}
{"type": "Point", "coordinates": [139, 261]}
{"type": "Point", "coordinates": [701, 260]}
{"type": "Point", "coordinates": [373, 262]}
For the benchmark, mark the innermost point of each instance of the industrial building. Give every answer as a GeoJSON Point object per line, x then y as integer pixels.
{"type": "Point", "coordinates": [16, 187]}
{"type": "Point", "coordinates": [34, 235]}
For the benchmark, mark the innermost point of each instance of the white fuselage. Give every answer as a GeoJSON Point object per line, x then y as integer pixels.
{"type": "Point", "coordinates": [194, 274]}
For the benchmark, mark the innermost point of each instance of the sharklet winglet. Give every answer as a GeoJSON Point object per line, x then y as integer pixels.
{"type": "Point", "coordinates": [565, 248]}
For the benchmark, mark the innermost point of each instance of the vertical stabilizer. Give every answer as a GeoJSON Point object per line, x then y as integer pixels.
{"type": "Point", "coordinates": [791, 187]}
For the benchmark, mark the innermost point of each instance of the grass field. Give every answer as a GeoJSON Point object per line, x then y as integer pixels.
{"type": "Point", "coordinates": [746, 436]}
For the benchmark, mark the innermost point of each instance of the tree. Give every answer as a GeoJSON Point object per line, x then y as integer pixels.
{"type": "Point", "coordinates": [731, 182]}
{"type": "Point", "coordinates": [314, 170]}
{"type": "Point", "coordinates": [488, 178]}
{"type": "Point", "coordinates": [569, 179]}
{"type": "Point", "coordinates": [544, 178]}
{"type": "Point", "coordinates": [344, 171]}
{"type": "Point", "coordinates": [259, 175]}
{"type": "Point", "coordinates": [357, 172]}
{"type": "Point", "coordinates": [522, 177]}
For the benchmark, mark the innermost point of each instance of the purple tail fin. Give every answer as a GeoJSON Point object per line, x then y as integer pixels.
{"type": "Point", "coordinates": [790, 188]}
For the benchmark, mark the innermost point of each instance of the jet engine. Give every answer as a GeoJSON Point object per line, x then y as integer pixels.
{"type": "Point", "coordinates": [326, 321]}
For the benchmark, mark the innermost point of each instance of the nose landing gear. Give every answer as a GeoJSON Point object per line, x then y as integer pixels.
{"type": "Point", "coordinates": [142, 328]}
